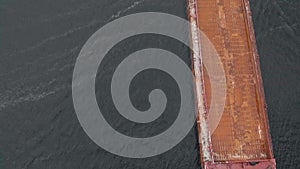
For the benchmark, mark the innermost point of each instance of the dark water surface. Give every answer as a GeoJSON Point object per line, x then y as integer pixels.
{"type": "Point", "coordinates": [277, 28]}
{"type": "Point", "coordinates": [40, 41]}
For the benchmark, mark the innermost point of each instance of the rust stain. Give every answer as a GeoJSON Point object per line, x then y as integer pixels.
{"type": "Point", "coordinates": [243, 132]}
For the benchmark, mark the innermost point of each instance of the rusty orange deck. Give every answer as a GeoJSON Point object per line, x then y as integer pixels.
{"type": "Point", "coordinates": [241, 139]}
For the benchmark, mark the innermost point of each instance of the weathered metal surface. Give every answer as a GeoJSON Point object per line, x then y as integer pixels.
{"type": "Point", "coordinates": [242, 137]}
{"type": "Point", "coordinates": [260, 164]}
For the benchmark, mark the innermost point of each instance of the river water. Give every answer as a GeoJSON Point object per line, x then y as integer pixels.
{"type": "Point", "coordinates": [39, 44]}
